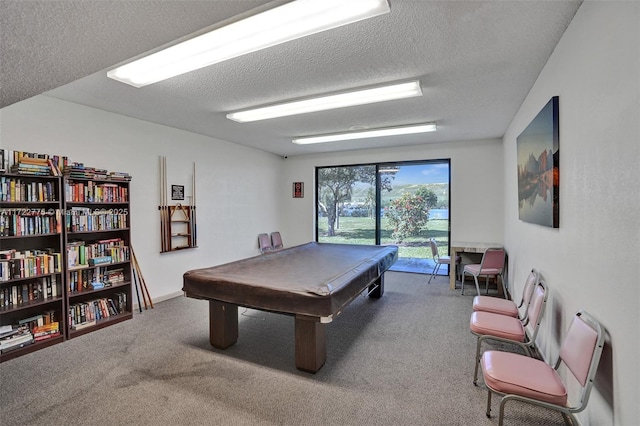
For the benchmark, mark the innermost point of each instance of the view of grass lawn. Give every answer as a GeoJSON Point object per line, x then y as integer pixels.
{"type": "Point", "coordinates": [361, 230]}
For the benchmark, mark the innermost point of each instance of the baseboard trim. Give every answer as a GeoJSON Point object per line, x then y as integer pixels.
{"type": "Point", "coordinates": [136, 306]}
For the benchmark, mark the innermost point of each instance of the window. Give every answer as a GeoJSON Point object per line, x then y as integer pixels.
{"type": "Point", "coordinates": [404, 203]}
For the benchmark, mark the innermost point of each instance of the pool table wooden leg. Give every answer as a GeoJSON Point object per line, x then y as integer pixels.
{"type": "Point", "coordinates": [223, 324]}
{"type": "Point", "coordinates": [311, 351]}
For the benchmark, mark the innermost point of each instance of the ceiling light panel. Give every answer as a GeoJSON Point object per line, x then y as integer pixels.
{"type": "Point", "coordinates": [290, 21]}
{"type": "Point", "coordinates": [322, 103]}
{"type": "Point", "coordinates": [374, 133]}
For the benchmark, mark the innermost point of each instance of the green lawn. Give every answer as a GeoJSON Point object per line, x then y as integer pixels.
{"type": "Point", "coordinates": [361, 230]}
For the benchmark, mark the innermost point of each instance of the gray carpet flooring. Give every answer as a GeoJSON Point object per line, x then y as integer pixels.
{"type": "Point", "coordinates": [403, 359]}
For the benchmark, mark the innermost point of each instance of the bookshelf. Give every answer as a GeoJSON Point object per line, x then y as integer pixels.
{"type": "Point", "coordinates": [31, 261]}
{"type": "Point", "coordinates": [97, 241]}
{"type": "Point", "coordinates": [65, 259]}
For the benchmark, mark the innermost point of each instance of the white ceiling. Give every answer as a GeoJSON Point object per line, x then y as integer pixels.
{"type": "Point", "coordinates": [476, 61]}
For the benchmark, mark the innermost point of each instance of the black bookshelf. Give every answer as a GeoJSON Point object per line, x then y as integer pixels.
{"type": "Point", "coordinates": [31, 258]}
{"type": "Point", "coordinates": [97, 240]}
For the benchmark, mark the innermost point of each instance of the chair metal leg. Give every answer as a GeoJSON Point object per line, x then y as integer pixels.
{"type": "Point", "coordinates": [475, 372]}
{"type": "Point", "coordinates": [434, 272]}
{"type": "Point", "coordinates": [504, 287]}
{"type": "Point", "coordinates": [569, 420]}
{"type": "Point", "coordinates": [486, 286]}
{"type": "Point", "coordinates": [475, 278]}
{"type": "Point", "coordinates": [489, 403]}
{"type": "Point", "coordinates": [503, 402]}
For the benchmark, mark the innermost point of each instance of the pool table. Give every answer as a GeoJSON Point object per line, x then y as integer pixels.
{"type": "Point", "coordinates": [313, 282]}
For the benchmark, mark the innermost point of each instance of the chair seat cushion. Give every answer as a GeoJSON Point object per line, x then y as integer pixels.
{"type": "Point", "coordinates": [488, 323]}
{"type": "Point", "coordinates": [474, 269]}
{"type": "Point", "coordinates": [495, 305]}
{"type": "Point", "coordinates": [511, 373]}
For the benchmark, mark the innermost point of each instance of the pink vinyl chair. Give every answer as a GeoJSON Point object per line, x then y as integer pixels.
{"type": "Point", "coordinates": [506, 306]}
{"type": "Point", "coordinates": [276, 241]}
{"type": "Point", "coordinates": [530, 380]}
{"type": "Point", "coordinates": [489, 326]}
{"type": "Point", "coordinates": [440, 260]}
{"type": "Point", "coordinates": [492, 264]}
{"type": "Point", "coordinates": [264, 243]}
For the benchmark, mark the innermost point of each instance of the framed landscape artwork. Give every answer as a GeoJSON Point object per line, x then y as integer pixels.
{"type": "Point", "coordinates": [539, 168]}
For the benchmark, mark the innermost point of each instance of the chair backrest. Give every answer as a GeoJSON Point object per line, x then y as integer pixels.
{"type": "Point", "coordinates": [529, 285]}
{"type": "Point", "coordinates": [264, 243]}
{"type": "Point", "coordinates": [527, 293]}
{"type": "Point", "coordinates": [276, 240]}
{"type": "Point", "coordinates": [581, 350]}
{"type": "Point", "coordinates": [536, 308]}
{"type": "Point", "coordinates": [434, 249]}
{"type": "Point", "coordinates": [493, 258]}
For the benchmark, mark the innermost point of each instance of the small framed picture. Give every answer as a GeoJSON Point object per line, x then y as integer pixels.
{"type": "Point", "coordinates": [177, 192]}
{"type": "Point", "coordinates": [298, 189]}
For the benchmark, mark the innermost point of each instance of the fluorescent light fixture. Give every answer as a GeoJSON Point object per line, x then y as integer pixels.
{"type": "Point", "coordinates": [340, 100]}
{"type": "Point", "coordinates": [375, 133]}
{"type": "Point", "coordinates": [287, 22]}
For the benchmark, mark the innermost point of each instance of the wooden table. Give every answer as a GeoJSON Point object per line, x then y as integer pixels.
{"type": "Point", "coordinates": [458, 247]}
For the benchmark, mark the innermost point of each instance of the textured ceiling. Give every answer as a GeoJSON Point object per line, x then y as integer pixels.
{"type": "Point", "coordinates": [476, 61]}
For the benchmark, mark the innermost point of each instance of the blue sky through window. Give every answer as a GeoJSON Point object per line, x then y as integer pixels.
{"type": "Point", "coordinates": [422, 173]}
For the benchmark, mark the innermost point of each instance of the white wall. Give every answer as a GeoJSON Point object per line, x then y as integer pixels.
{"type": "Point", "coordinates": [591, 261]}
{"type": "Point", "coordinates": [234, 184]}
{"type": "Point", "coordinates": [476, 186]}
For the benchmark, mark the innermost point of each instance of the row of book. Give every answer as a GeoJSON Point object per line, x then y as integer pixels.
{"type": "Point", "coordinates": [79, 219]}
{"type": "Point", "coordinates": [32, 163]}
{"type": "Point", "coordinates": [22, 222]}
{"type": "Point", "coordinates": [86, 314]}
{"type": "Point", "coordinates": [94, 278]}
{"type": "Point", "coordinates": [93, 192]}
{"type": "Point", "coordinates": [43, 288]}
{"type": "Point", "coordinates": [20, 190]}
{"type": "Point", "coordinates": [28, 331]}
{"type": "Point", "coordinates": [79, 253]}
{"type": "Point", "coordinates": [11, 161]}
{"type": "Point", "coordinates": [11, 339]}
{"type": "Point", "coordinates": [35, 166]}
{"type": "Point", "coordinates": [16, 264]}
{"type": "Point", "coordinates": [80, 171]}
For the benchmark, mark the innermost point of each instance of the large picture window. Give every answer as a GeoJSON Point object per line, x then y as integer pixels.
{"type": "Point", "coordinates": [405, 204]}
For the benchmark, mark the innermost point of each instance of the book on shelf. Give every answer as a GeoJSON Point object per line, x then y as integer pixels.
{"type": "Point", "coordinates": [82, 325]}
{"type": "Point", "coordinates": [50, 317]}
{"type": "Point", "coordinates": [100, 260]}
{"type": "Point", "coordinates": [15, 343]}
{"type": "Point", "coordinates": [24, 222]}
{"type": "Point", "coordinates": [29, 264]}
{"type": "Point", "coordinates": [43, 288]}
{"type": "Point", "coordinates": [114, 276]}
{"type": "Point", "coordinates": [83, 191]}
{"type": "Point", "coordinates": [17, 189]}
{"type": "Point", "coordinates": [20, 337]}
{"type": "Point", "coordinates": [79, 170]}
{"type": "Point", "coordinates": [32, 321]}
{"type": "Point", "coordinates": [8, 330]}
{"type": "Point", "coordinates": [12, 159]}
{"type": "Point", "coordinates": [46, 336]}
{"type": "Point", "coordinates": [46, 331]}
{"type": "Point", "coordinates": [119, 176]}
